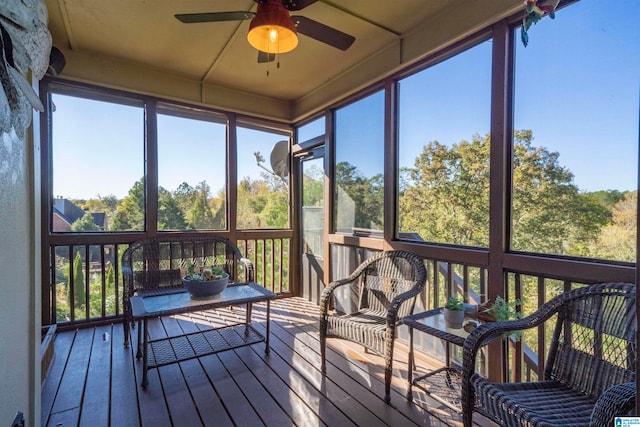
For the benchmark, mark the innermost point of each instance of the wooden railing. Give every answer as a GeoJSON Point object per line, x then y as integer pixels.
{"type": "Point", "coordinates": [84, 281]}
{"type": "Point", "coordinates": [525, 356]}
{"type": "Point", "coordinates": [84, 286]}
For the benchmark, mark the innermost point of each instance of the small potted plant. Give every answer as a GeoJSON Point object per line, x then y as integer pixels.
{"type": "Point", "coordinates": [501, 311]}
{"type": "Point", "coordinates": [454, 313]}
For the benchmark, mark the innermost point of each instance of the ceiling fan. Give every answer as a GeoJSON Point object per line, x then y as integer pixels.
{"type": "Point", "coordinates": [273, 30]}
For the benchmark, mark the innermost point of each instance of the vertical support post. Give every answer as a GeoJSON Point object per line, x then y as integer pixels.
{"type": "Point", "coordinates": [500, 178]}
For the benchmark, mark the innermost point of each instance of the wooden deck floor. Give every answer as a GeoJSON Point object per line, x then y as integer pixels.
{"type": "Point", "coordinates": [95, 381]}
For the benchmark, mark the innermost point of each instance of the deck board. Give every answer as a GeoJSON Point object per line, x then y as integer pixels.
{"type": "Point", "coordinates": [124, 393]}
{"type": "Point", "coordinates": [95, 380]}
{"type": "Point", "coordinates": [50, 387]}
{"type": "Point", "coordinates": [95, 413]}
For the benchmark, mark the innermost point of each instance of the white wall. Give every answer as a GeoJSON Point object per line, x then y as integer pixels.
{"type": "Point", "coordinates": [19, 283]}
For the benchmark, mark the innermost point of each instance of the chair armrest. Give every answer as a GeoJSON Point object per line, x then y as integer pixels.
{"type": "Point", "coordinates": [392, 313]}
{"type": "Point", "coordinates": [483, 335]}
{"type": "Point", "coordinates": [616, 401]}
{"type": "Point", "coordinates": [249, 266]}
{"type": "Point", "coordinates": [325, 297]}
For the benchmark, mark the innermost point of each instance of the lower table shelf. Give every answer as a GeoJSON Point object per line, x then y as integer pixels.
{"type": "Point", "coordinates": [443, 385]}
{"type": "Point", "coordinates": [196, 344]}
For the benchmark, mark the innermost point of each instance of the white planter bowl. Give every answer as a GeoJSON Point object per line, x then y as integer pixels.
{"type": "Point", "coordinates": [205, 288]}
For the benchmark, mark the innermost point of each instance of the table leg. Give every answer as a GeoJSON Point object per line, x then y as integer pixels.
{"type": "Point", "coordinates": [145, 339]}
{"type": "Point", "coordinates": [139, 351]}
{"type": "Point", "coordinates": [410, 364]}
{"type": "Point", "coordinates": [249, 310]}
{"type": "Point", "coordinates": [266, 338]}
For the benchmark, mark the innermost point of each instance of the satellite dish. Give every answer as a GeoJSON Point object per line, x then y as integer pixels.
{"type": "Point", "coordinates": [280, 159]}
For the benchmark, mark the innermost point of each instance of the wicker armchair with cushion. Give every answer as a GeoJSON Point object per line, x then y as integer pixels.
{"type": "Point", "coordinates": [387, 285]}
{"type": "Point", "coordinates": [589, 375]}
{"type": "Point", "coordinates": [154, 265]}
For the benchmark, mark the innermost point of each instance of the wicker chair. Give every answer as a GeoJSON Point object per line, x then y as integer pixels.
{"type": "Point", "coordinates": [155, 265]}
{"type": "Point", "coordinates": [387, 285]}
{"type": "Point", "coordinates": [589, 374]}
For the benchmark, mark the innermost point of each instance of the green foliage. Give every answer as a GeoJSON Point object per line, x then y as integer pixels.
{"type": "Point", "coordinates": [185, 196]}
{"type": "Point", "coordinates": [79, 294]}
{"type": "Point", "coordinates": [263, 203]}
{"type": "Point", "coordinates": [454, 304]}
{"type": "Point", "coordinates": [447, 193]}
{"type": "Point", "coordinates": [200, 215]}
{"type": "Point", "coordinates": [608, 198]}
{"type": "Point", "coordinates": [618, 239]}
{"type": "Point", "coordinates": [502, 310]}
{"type": "Point", "coordinates": [445, 198]}
{"type": "Point", "coordinates": [360, 200]}
{"type": "Point", "coordinates": [84, 224]}
{"type": "Point", "coordinates": [170, 215]}
{"type": "Point", "coordinates": [110, 281]}
{"type": "Point", "coordinates": [313, 187]}
{"type": "Point", "coordinates": [107, 204]}
{"type": "Point", "coordinates": [129, 214]}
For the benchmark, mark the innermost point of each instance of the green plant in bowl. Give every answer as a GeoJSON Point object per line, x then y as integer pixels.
{"type": "Point", "coordinates": [208, 282]}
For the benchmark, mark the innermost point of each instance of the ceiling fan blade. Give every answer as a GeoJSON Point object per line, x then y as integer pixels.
{"type": "Point", "coordinates": [192, 18]}
{"type": "Point", "coordinates": [323, 33]}
{"type": "Point", "coordinates": [297, 4]}
{"type": "Point", "coordinates": [266, 57]}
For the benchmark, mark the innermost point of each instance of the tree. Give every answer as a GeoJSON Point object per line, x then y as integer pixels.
{"type": "Point", "coordinates": [548, 213]}
{"type": "Point", "coordinates": [275, 213]}
{"type": "Point", "coordinates": [313, 186]}
{"type": "Point", "coordinates": [218, 206]}
{"type": "Point", "coordinates": [263, 203]}
{"type": "Point", "coordinates": [618, 240]}
{"type": "Point", "coordinates": [78, 283]}
{"type": "Point", "coordinates": [447, 193]}
{"type": "Point", "coordinates": [107, 204]}
{"type": "Point", "coordinates": [170, 214]}
{"type": "Point", "coordinates": [200, 215]}
{"type": "Point", "coordinates": [129, 214]}
{"type": "Point", "coordinates": [84, 224]}
{"type": "Point", "coordinates": [185, 196]}
{"type": "Point", "coordinates": [447, 198]}
{"type": "Point", "coordinates": [360, 199]}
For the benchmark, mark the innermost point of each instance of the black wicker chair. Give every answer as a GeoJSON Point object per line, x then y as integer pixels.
{"type": "Point", "coordinates": [387, 285]}
{"type": "Point", "coordinates": [589, 374]}
{"type": "Point", "coordinates": [155, 265]}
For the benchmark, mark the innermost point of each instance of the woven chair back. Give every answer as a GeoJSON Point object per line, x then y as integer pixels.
{"type": "Point", "coordinates": [594, 341]}
{"type": "Point", "coordinates": [162, 262]}
{"type": "Point", "coordinates": [387, 276]}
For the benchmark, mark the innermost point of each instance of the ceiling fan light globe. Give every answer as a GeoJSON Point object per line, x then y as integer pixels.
{"type": "Point", "coordinates": [271, 19]}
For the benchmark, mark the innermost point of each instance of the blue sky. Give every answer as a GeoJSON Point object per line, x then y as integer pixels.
{"type": "Point", "coordinates": [577, 87]}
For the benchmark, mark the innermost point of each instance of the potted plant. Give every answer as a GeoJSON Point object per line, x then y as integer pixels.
{"type": "Point", "coordinates": [454, 313]}
{"type": "Point", "coordinates": [205, 283]}
{"type": "Point", "coordinates": [501, 311]}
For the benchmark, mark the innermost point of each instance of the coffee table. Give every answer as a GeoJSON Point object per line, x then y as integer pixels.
{"type": "Point", "coordinates": [164, 351]}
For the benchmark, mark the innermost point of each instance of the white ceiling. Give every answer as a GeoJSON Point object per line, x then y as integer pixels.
{"type": "Point", "coordinates": [139, 45]}
{"type": "Point", "coordinates": [146, 31]}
